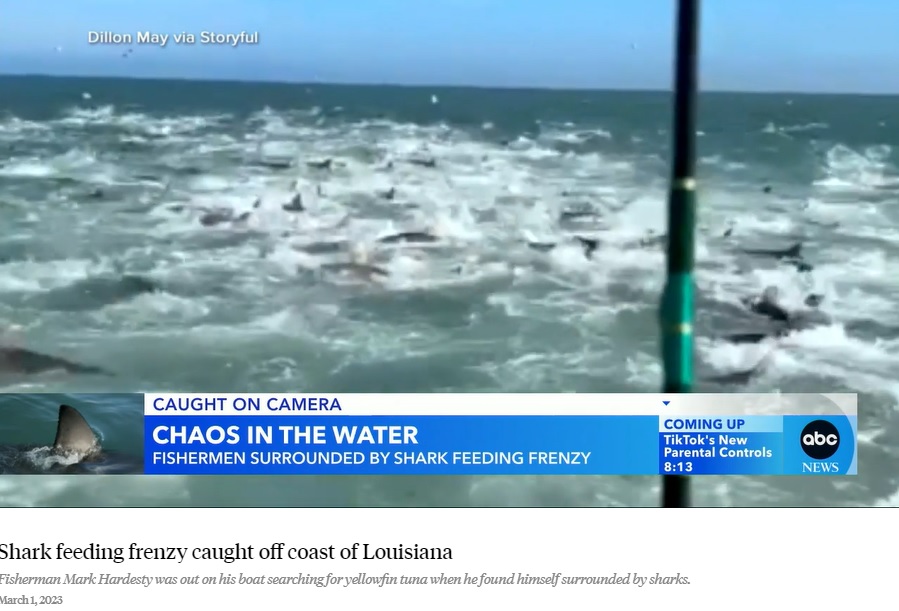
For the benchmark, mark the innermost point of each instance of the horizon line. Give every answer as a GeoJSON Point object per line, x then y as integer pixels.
{"type": "Point", "coordinates": [365, 83]}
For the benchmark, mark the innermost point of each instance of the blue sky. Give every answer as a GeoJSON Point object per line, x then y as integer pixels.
{"type": "Point", "coordinates": [780, 45]}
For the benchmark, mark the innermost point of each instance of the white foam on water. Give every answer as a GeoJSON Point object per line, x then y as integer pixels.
{"type": "Point", "coordinates": [557, 319]}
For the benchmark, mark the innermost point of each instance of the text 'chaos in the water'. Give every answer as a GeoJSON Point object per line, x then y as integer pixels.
{"type": "Point", "coordinates": [165, 404]}
{"type": "Point", "coordinates": [396, 434]}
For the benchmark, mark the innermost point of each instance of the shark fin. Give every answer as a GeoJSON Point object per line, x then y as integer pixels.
{"type": "Point", "coordinates": [73, 433]}
{"type": "Point", "coordinates": [794, 251]}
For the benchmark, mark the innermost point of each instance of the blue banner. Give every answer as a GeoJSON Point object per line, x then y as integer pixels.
{"type": "Point", "coordinates": [499, 445]}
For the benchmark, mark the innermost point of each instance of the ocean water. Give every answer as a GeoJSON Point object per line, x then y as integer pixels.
{"type": "Point", "coordinates": [103, 184]}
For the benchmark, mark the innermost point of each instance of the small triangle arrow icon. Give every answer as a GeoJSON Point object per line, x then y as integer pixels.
{"type": "Point", "coordinates": [666, 402]}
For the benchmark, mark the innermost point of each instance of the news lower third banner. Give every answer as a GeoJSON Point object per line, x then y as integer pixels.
{"type": "Point", "coordinates": [500, 434]}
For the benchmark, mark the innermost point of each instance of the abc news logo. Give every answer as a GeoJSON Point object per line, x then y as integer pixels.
{"type": "Point", "coordinates": [820, 439]}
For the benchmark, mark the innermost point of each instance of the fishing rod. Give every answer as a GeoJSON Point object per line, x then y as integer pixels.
{"type": "Point", "coordinates": [676, 311]}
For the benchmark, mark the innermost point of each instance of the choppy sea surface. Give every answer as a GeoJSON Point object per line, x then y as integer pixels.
{"type": "Point", "coordinates": [110, 256]}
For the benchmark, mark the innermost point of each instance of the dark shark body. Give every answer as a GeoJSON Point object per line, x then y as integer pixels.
{"type": "Point", "coordinates": [97, 292]}
{"type": "Point", "coordinates": [753, 337]}
{"type": "Point", "coordinates": [213, 217]}
{"type": "Point", "coordinates": [76, 449]}
{"type": "Point", "coordinates": [589, 245]}
{"type": "Point", "coordinates": [274, 164]}
{"type": "Point", "coordinates": [409, 237]}
{"type": "Point", "coordinates": [322, 248]}
{"type": "Point", "coordinates": [358, 270]}
{"type": "Point", "coordinates": [791, 252]}
{"type": "Point", "coordinates": [578, 215]}
{"type": "Point", "coordinates": [23, 361]}
{"type": "Point", "coordinates": [767, 306]}
{"type": "Point", "coordinates": [322, 164]}
{"type": "Point", "coordinates": [779, 321]}
{"type": "Point", "coordinates": [792, 255]}
{"type": "Point", "coordinates": [423, 162]}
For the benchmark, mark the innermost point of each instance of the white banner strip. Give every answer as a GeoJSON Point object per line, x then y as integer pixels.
{"type": "Point", "coordinates": [525, 559]}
